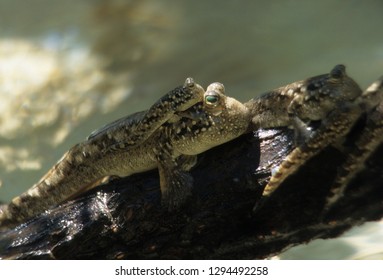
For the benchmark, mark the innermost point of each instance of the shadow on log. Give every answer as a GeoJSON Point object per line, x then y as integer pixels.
{"type": "Point", "coordinates": [123, 219]}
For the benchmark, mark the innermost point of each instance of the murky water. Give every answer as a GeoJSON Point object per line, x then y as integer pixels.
{"type": "Point", "coordinates": [68, 67]}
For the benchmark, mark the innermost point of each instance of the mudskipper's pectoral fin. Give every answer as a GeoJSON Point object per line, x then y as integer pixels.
{"type": "Point", "coordinates": [175, 188]}
{"type": "Point", "coordinates": [176, 182]}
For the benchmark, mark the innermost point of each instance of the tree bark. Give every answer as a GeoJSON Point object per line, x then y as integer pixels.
{"type": "Point", "coordinates": [123, 219]}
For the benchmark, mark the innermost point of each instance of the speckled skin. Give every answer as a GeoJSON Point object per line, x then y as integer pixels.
{"type": "Point", "coordinates": [371, 103]}
{"type": "Point", "coordinates": [121, 148]}
{"type": "Point", "coordinates": [189, 121]}
{"type": "Point", "coordinates": [185, 122]}
{"type": "Point", "coordinates": [296, 105]}
{"type": "Point", "coordinates": [309, 100]}
{"type": "Point", "coordinates": [337, 101]}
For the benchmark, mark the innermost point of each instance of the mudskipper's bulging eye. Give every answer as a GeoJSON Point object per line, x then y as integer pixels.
{"type": "Point", "coordinates": [212, 99]}
{"type": "Point", "coordinates": [189, 83]}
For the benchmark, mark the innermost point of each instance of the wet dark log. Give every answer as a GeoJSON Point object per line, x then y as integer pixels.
{"type": "Point", "coordinates": [123, 219]}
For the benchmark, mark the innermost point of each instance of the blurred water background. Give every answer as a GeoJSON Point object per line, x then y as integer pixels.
{"type": "Point", "coordinates": [68, 67]}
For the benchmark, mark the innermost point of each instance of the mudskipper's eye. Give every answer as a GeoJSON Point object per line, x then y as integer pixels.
{"type": "Point", "coordinates": [212, 99]}
{"type": "Point", "coordinates": [189, 83]}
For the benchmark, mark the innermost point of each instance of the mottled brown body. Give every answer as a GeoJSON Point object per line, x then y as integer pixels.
{"type": "Point", "coordinates": [371, 103]}
{"type": "Point", "coordinates": [338, 102]}
{"type": "Point", "coordinates": [299, 103]}
{"type": "Point", "coordinates": [185, 122]}
{"type": "Point", "coordinates": [120, 148]}
{"type": "Point", "coordinates": [189, 121]}
{"type": "Point", "coordinates": [308, 100]}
